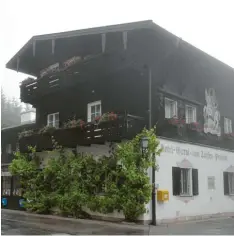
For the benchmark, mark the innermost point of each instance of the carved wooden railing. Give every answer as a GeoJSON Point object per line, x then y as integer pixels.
{"type": "Point", "coordinates": [124, 127]}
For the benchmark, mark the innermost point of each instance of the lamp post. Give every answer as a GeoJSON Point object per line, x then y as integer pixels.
{"type": "Point", "coordinates": [144, 147]}
{"type": "Point", "coordinates": [153, 193]}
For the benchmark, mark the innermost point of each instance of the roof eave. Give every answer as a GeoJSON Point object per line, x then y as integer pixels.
{"type": "Point", "coordinates": [90, 31]}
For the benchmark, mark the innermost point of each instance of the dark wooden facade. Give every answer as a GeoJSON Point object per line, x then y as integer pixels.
{"type": "Point", "coordinates": [121, 66]}
{"type": "Point", "coordinates": [115, 68]}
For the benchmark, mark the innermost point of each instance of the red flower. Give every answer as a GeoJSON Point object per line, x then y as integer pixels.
{"type": "Point", "coordinates": [183, 122]}
{"type": "Point", "coordinates": [112, 116]}
{"type": "Point", "coordinates": [82, 123]}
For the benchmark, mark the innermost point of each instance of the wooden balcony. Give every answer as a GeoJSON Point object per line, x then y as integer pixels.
{"type": "Point", "coordinates": [125, 127]}
{"type": "Point", "coordinates": [178, 129]}
{"type": "Point", "coordinates": [93, 65]}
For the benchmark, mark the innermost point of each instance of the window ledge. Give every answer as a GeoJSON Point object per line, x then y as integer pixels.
{"type": "Point", "coordinates": [186, 195]}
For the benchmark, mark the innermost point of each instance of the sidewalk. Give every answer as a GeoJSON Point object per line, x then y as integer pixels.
{"type": "Point", "coordinates": [73, 226]}
{"type": "Point", "coordinates": [50, 223]}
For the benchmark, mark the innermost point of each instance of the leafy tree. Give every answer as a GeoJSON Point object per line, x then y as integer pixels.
{"type": "Point", "coordinates": [75, 182]}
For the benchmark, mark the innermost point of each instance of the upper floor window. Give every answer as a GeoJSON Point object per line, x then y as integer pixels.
{"type": "Point", "coordinates": [170, 108]}
{"type": "Point", "coordinates": [228, 179]}
{"type": "Point", "coordinates": [94, 110]}
{"type": "Point", "coordinates": [8, 149]}
{"type": "Point", "coordinates": [191, 114]}
{"type": "Point", "coordinates": [227, 126]}
{"type": "Point", "coordinates": [53, 120]}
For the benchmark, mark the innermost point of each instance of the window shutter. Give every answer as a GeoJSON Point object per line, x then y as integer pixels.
{"type": "Point", "coordinates": [195, 182]}
{"type": "Point", "coordinates": [225, 183]}
{"type": "Point", "coordinates": [176, 177]}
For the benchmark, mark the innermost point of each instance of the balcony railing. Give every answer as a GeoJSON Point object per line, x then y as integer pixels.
{"type": "Point", "coordinates": [194, 132]}
{"type": "Point", "coordinates": [67, 76]}
{"type": "Point", "coordinates": [124, 127]}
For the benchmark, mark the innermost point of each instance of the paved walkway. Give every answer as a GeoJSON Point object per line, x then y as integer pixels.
{"type": "Point", "coordinates": [22, 223]}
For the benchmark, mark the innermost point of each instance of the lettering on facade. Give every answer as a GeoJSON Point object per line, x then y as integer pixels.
{"type": "Point", "coordinates": [211, 113]}
{"type": "Point", "coordinates": [203, 154]}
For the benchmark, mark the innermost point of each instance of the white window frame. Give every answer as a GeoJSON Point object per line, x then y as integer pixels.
{"type": "Point", "coordinates": [175, 110]}
{"type": "Point", "coordinates": [194, 115]}
{"type": "Point", "coordinates": [227, 125]}
{"type": "Point", "coordinates": [89, 106]}
{"type": "Point", "coordinates": [231, 183]}
{"type": "Point", "coordinates": [188, 190]}
{"type": "Point", "coordinates": [55, 123]}
{"type": "Point", "coordinates": [9, 148]}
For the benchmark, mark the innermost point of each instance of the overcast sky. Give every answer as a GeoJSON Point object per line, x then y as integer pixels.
{"type": "Point", "coordinates": [207, 24]}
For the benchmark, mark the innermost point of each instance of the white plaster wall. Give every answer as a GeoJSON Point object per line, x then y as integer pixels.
{"type": "Point", "coordinates": [208, 201]}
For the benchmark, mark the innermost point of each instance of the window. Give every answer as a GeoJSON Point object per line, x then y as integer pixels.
{"type": "Point", "coordinates": [53, 120]}
{"type": "Point", "coordinates": [185, 181]}
{"type": "Point", "coordinates": [227, 126]}
{"type": "Point", "coordinates": [6, 185]}
{"type": "Point", "coordinates": [8, 149]}
{"type": "Point", "coordinates": [170, 108]}
{"type": "Point", "coordinates": [191, 114]}
{"type": "Point", "coordinates": [211, 182]}
{"type": "Point", "coordinates": [228, 178]}
{"type": "Point", "coordinates": [94, 110]}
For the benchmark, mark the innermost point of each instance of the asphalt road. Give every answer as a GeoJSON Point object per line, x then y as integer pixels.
{"type": "Point", "coordinates": [18, 224]}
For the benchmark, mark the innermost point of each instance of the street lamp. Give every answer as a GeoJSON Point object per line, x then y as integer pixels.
{"type": "Point", "coordinates": [144, 143]}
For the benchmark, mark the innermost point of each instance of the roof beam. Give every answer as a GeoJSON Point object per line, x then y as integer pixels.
{"type": "Point", "coordinates": [34, 48]}
{"type": "Point", "coordinates": [103, 43]}
{"type": "Point", "coordinates": [125, 39]}
{"type": "Point", "coordinates": [53, 45]}
{"type": "Point", "coordinates": [18, 63]}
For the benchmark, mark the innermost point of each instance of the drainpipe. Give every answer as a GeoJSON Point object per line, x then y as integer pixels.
{"type": "Point", "coordinates": [153, 168]}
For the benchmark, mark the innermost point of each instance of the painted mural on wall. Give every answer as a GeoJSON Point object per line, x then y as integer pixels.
{"type": "Point", "coordinates": [211, 113]}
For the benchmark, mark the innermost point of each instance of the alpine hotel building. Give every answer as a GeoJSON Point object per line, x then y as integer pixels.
{"type": "Point", "coordinates": [146, 76]}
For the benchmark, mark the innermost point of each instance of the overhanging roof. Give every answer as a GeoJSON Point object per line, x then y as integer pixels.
{"type": "Point", "coordinates": [13, 63]}
{"type": "Point", "coordinates": [26, 52]}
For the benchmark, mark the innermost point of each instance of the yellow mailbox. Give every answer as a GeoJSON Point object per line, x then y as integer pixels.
{"type": "Point", "coordinates": [162, 195]}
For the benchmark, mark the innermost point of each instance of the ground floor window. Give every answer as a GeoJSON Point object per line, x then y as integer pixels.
{"type": "Point", "coordinates": [185, 181]}
{"type": "Point", "coordinates": [228, 178]}
{"type": "Point", "coordinates": [6, 185]}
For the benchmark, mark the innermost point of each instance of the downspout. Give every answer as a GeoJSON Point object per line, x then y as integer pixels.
{"type": "Point", "coordinates": [153, 168]}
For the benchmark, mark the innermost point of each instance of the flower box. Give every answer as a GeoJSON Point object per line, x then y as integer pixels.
{"type": "Point", "coordinates": [41, 142]}
{"type": "Point", "coordinates": [69, 137]}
